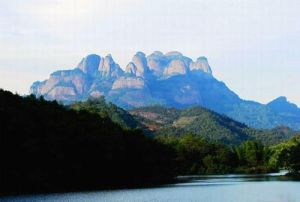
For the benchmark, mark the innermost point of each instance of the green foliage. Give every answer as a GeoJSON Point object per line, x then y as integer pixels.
{"type": "Point", "coordinates": [271, 136]}
{"type": "Point", "coordinates": [47, 147]}
{"type": "Point", "coordinates": [287, 155]}
{"type": "Point", "coordinates": [251, 152]}
{"type": "Point", "coordinates": [206, 124]}
{"type": "Point", "coordinates": [107, 110]}
{"type": "Point", "coordinates": [195, 155]}
{"type": "Point", "coordinates": [253, 157]}
{"type": "Point", "coordinates": [290, 158]}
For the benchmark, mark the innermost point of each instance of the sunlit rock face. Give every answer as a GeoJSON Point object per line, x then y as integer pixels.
{"type": "Point", "coordinates": [174, 63]}
{"type": "Point", "coordinates": [139, 62]}
{"type": "Point", "coordinates": [175, 67]}
{"type": "Point", "coordinates": [201, 64]}
{"type": "Point", "coordinates": [131, 69]}
{"type": "Point", "coordinates": [108, 68]}
{"type": "Point", "coordinates": [98, 76]}
{"type": "Point", "coordinates": [93, 76]}
{"type": "Point", "coordinates": [128, 82]}
{"type": "Point", "coordinates": [62, 85]}
{"type": "Point", "coordinates": [174, 55]}
{"type": "Point", "coordinates": [61, 93]}
{"type": "Point", "coordinates": [157, 63]}
{"type": "Point", "coordinates": [170, 79]}
{"type": "Point", "coordinates": [149, 78]}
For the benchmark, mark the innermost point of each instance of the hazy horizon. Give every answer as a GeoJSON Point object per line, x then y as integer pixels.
{"type": "Point", "coordinates": [253, 46]}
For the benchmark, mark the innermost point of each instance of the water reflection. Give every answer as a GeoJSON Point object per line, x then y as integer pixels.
{"type": "Point", "coordinates": [281, 176]}
{"type": "Point", "coordinates": [213, 188]}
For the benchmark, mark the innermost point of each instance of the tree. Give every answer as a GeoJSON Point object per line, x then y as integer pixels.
{"type": "Point", "coordinates": [289, 158]}
{"type": "Point", "coordinates": [250, 153]}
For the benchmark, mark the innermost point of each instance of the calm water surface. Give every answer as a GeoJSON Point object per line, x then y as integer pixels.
{"type": "Point", "coordinates": [218, 188]}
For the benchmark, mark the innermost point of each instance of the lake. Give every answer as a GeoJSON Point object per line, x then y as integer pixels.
{"type": "Point", "coordinates": [214, 188]}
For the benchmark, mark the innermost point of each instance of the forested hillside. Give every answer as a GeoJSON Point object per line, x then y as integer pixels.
{"type": "Point", "coordinates": [205, 123]}
{"type": "Point", "coordinates": [46, 147]}
{"type": "Point", "coordinates": [287, 155]}
{"type": "Point", "coordinates": [107, 110]}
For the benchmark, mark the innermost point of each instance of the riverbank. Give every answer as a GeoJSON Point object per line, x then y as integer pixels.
{"type": "Point", "coordinates": [216, 188]}
{"type": "Point", "coordinates": [282, 175]}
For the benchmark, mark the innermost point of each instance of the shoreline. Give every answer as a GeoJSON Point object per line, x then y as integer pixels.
{"type": "Point", "coordinates": [282, 175]}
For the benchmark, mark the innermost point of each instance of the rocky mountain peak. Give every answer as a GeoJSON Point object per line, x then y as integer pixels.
{"type": "Point", "coordinates": [280, 99]}
{"type": "Point", "coordinates": [157, 62]}
{"type": "Point", "coordinates": [131, 69]}
{"type": "Point", "coordinates": [89, 64]}
{"type": "Point", "coordinates": [108, 67]}
{"type": "Point", "coordinates": [109, 58]}
{"type": "Point", "coordinates": [170, 79]}
{"type": "Point", "coordinates": [140, 62]}
{"type": "Point", "coordinates": [174, 53]}
{"type": "Point", "coordinates": [176, 67]}
{"type": "Point", "coordinates": [201, 64]}
{"type": "Point", "coordinates": [158, 53]}
{"type": "Point", "coordinates": [281, 104]}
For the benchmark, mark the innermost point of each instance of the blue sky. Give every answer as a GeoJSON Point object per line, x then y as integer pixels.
{"type": "Point", "coordinates": [253, 46]}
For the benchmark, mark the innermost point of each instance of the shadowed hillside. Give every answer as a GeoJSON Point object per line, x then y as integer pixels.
{"type": "Point", "coordinates": [46, 147]}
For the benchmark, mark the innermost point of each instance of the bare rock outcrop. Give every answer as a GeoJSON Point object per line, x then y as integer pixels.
{"type": "Point", "coordinates": [175, 67]}
{"type": "Point", "coordinates": [128, 82]}
{"type": "Point", "coordinates": [138, 66]}
{"type": "Point", "coordinates": [201, 64]}
{"type": "Point", "coordinates": [97, 76]}
{"type": "Point", "coordinates": [108, 68]}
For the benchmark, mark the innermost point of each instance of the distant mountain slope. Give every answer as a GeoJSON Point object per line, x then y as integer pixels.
{"type": "Point", "coordinates": [170, 79]}
{"type": "Point", "coordinates": [159, 120]}
{"type": "Point", "coordinates": [282, 105]}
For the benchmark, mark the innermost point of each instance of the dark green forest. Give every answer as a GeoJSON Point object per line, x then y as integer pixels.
{"type": "Point", "coordinates": [107, 110]}
{"type": "Point", "coordinates": [195, 155]}
{"type": "Point", "coordinates": [48, 147]}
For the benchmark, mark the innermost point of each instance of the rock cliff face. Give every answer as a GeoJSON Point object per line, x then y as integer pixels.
{"type": "Point", "coordinates": [170, 79]}
{"type": "Point", "coordinates": [96, 75]}
{"type": "Point", "coordinates": [201, 64]}
{"type": "Point", "coordinates": [108, 68]}
{"type": "Point", "coordinates": [128, 82]}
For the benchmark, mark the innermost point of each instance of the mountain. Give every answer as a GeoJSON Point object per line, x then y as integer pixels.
{"type": "Point", "coordinates": [170, 79]}
{"type": "Point", "coordinates": [46, 147]}
{"type": "Point", "coordinates": [162, 121]}
{"type": "Point", "coordinates": [156, 121]}
{"type": "Point", "coordinates": [282, 106]}
{"type": "Point", "coordinates": [106, 109]}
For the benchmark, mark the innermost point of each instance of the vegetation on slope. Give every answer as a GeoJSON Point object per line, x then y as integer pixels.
{"type": "Point", "coordinates": [195, 155]}
{"type": "Point", "coordinates": [107, 110]}
{"type": "Point", "coordinates": [205, 123]}
{"type": "Point", "coordinates": [46, 147]}
{"type": "Point", "coordinates": [287, 155]}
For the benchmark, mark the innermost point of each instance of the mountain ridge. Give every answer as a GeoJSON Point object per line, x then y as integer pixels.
{"type": "Point", "coordinates": [163, 121]}
{"type": "Point", "coordinates": [170, 79]}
